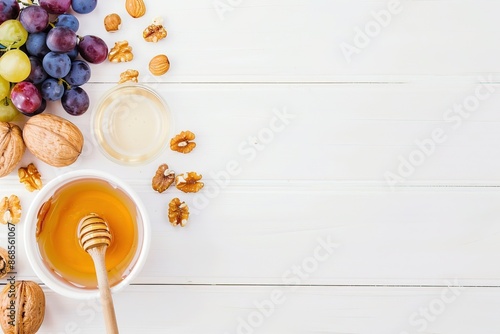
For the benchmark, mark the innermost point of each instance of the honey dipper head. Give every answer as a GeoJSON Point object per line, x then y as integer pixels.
{"type": "Point", "coordinates": [93, 231]}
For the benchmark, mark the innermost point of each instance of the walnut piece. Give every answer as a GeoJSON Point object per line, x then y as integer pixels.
{"type": "Point", "coordinates": [121, 52]}
{"type": "Point", "coordinates": [30, 177]}
{"type": "Point", "coordinates": [189, 182]}
{"type": "Point", "coordinates": [10, 210]}
{"type": "Point", "coordinates": [183, 142]}
{"type": "Point", "coordinates": [178, 212]}
{"type": "Point", "coordinates": [155, 31]}
{"type": "Point", "coordinates": [129, 75]}
{"type": "Point", "coordinates": [163, 178]}
{"type": "Point", "coordinates": [4, 263]}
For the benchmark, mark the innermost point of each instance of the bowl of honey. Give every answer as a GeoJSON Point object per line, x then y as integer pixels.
{"type": "Point", "coordinates": [51, 232]}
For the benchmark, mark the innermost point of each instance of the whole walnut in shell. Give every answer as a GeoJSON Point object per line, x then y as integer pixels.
{"type": "Point", "coordinates": [53, 139]}
{"type": "Point", "coordinates": [22, 307]}
{"type": "Point", "coordinates": [11, 147]}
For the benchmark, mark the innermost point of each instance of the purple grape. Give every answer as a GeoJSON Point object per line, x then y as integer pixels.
{"type": "Point", "coordinates": [73, 53]}
{"type": "Point", "coordinates": [83, 6]}
{"type": "Point", "coordinates": [68, 20]}
{"type": "Point", "coordinates": [61, 39]}
{"type": "Point", "coordinates": [55, 6]}
{"type": "Point", "coordinates": [37, 74]}
{"type": "Point", "coordinates": [52, 89]}
{"type": "Point", "coordinates": [57, 65]}
{"type": "Point", "coordinates": [35, 45]}
{"type": "Point", "coordinates": [34, 19]}
{"type": "Point", "coordinates": [9, 9]}
{"type": "Point", "coordinates": [75, 101]}
{"type": "Point", "coordinates": [26, 98]}
{"type": "Point", "coordinates": [93, 49]}
{"type": "Point", "coordinates": [79, 73]}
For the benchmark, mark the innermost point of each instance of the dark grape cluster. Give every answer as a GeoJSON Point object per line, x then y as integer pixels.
{"type": "Point", "coordinates": [42, 37]}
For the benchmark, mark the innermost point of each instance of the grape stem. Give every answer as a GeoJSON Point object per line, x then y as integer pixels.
{"type": "Point", "coordinates": [25, 2]}
{"type": "Point", "coordinates": [62, 81]}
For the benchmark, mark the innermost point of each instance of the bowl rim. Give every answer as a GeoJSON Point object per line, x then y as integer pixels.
{"type": "Point", "coordinates": [95, 117]}
{"type": "Point", "coordinates": [30, 225]}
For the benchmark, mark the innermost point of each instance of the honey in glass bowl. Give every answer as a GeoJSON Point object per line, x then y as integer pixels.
{"type": "Point", "coordinates": [57, 228]}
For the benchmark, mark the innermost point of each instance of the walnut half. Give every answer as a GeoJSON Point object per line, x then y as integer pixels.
{"type": "Point", "coordinates": [189, 182]}
{"type": "Point", "coordinates": [178, 212]}
{"type": "Point", "coordinates": [129, 75]}
{"type": "Point", "coordinates": [30, 177]}
{"type": "Point", "coordinates": [121, 52]}
{"type": "Point", "coordinates": [183, 142]}
{"type": "Point", "coordinates": [163, 178]}
{"type": "Point", "coordinates": [10, 210]}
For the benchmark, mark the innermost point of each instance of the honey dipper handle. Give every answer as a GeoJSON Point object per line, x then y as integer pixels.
{"type": "Point", "coordinates": [97, 254]}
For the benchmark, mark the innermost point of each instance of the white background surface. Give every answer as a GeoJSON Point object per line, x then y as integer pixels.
{"type": "Point", "coordinates": [416, 256]}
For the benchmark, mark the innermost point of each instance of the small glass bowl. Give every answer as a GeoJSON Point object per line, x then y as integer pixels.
{"type": "Point", "coordinates": [131, 124]}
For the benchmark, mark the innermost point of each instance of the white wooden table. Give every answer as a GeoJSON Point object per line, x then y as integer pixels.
{"type": "Point", "coordinates": [351, 157]}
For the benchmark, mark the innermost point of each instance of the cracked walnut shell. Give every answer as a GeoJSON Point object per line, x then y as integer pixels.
{"type": "Point", "coordinates": [189, 182]}
{"type": "Point", "coordinates": [183, 142]}
{"type": "Point", "coordinates": [178, 212]}
{"type": "Point", "coordinates": [121, 52]}
{"type": "Point", "coordinates": [10, 210]}
{"type": "Point", "coordinates": [31, 178]}
{"type": "Point", "coordinates": [12, 147]}
{"type": "Point", "coordinates": [163, 178]}
{"type": "Point", "coordinates": [28, 311]}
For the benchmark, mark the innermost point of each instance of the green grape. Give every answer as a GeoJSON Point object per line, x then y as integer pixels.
{"type": "Point", "coordinates": [4, 88]}
{"type": "Point", "coordinates": [12, 34]}
{"type": "Point", "coordinates": [7, 110]}
{"type": "Point", "coordinates": [15, 66]}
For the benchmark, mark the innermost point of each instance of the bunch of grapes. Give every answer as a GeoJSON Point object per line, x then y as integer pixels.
{"type": "Point", "coordinates": [42, 57]}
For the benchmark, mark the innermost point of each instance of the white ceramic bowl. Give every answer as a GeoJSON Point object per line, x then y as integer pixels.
{"type": "Point", "coordinates": [45, 273]}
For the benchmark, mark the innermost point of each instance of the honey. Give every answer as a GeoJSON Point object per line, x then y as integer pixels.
{"type": "Point", "coordinates": [57, 231]}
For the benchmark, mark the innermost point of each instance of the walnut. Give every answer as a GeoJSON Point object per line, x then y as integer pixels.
{"type": "Point", "coordinates": [183, 142]}
{"type": "Point", "coordinates": [129, 75]}
{"type": "Point", "coordinates": [29, 311]}
{"type": "Point", "coordinates": [121, 52]}
{"type": "Point", "coordinates": [5, 267]}
{"type": "Point", "coordinates": [155, 31]}
{"type": "Point", "coordinates": [10, 210]}
{"type": "Point", "coordinates": [178, 212]}
{"type": "Point", "coordinates": [30, 177]}
{"type": "Point", "coordinates": [189, 182]}
{"type": "Point", "coordinates": [163, 178]}
{"type": "Point", "coordinates": [112, 22]}
{"type": "Point", "coordinates": [11, 147]}
{"type": "Point", "coordinates": [53, 139]}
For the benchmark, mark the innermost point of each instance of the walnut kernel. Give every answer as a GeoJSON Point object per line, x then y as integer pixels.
{"type": "Point", "coordinates": [121, 52]}
{"type": "Point", "coordinates": [178, 212]}
{"type": "Point", "coordinates": [5, 267]}
{"type": "Point", "coordinates": [189, 182]}
{"type": "Point", "coordinates": [30, 177]}
{"type": "Point", "coordinates": [163, 178]}
{"type": "Point", "coordinates": [112, 22]}
{"type": "Point", "coordinates": [10, 210]}
{"type": "Point", "coordinates": [129, 75]}
{"type": "Point", "coordinates": [155, 31]}
{"type": "Point", "coordinates": [183, 142]}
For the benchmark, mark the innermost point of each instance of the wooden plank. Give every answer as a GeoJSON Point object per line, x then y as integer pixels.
{"type": "Point", "coordinates": [282, 309]}
{"type": "Point", "coordinates": [348, 133]}
{"type": "Point", "coordinates": [278, 40]}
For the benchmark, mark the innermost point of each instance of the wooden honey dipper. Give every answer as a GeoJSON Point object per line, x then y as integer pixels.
{"type": "Point", "coordinates": [95, 237]}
